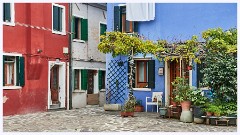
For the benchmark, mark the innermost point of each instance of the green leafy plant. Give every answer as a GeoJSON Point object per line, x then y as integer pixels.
{"type": "Point", "coordinates": [182, 89]}
{"type": "Point", "coordinates": [129, 104]}
{"type": "Point", "coordinates": [220, 64]}
{"type": "Point", "coordinates": [198, 99]}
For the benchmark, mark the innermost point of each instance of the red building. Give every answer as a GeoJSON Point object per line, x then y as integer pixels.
{"type": "Point", "coordinates": [35, 48]}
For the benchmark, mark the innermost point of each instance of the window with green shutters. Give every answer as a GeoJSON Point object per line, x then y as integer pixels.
{"type": "Point", "coordinates": [13, 71]}
{"type": "Point", "coordinates": [80, 28]}
{"type": "Point", "coordinates": [6, 12]}
{"type": "Point", "coordinates": [84, 78]}
{"type": "Point", "coordinates": [145, 74]}
{"type": "Point", "coordinates": [120, 22]}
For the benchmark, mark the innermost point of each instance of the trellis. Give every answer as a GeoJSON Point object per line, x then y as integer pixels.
{"type": "Point", "coordinates": [116, 82]}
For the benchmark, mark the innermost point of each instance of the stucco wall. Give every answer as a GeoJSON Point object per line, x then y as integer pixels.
{"type": "Point", "coordinates": [175, 22]}
{"type": "Point", "coordinates": [33, 96]}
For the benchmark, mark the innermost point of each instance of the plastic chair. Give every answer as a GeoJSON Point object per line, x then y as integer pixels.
{"type": "Point", "coordinates": [157, 96]}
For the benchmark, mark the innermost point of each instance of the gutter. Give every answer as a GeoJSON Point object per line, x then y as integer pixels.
{"type": "Point", "coordinates": [70, 57]}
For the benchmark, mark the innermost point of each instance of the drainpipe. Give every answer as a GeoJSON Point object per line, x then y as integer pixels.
{"type": "Point", "coordinates": [70, 57]}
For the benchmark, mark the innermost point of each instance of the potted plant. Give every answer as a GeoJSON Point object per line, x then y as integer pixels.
{"type": "Point", "coordinates": [138, 106]}
{"type": "Point", "coordinates": [183, 94]}
{"type": "Point", "coordinates": [128, 107]}
{"type": "Point", "coordinates": [198, 100]}
{"type": "Point", "coordinates": [163, 110]}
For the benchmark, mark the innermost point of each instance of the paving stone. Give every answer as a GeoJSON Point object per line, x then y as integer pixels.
{"type": "Point", "coordinates": [95, 119]}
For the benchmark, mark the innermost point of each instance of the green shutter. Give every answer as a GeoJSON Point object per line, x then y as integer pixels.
{"type": "Point", "coordinates": [84, 79]}
{"type": "Point", "coordinates": [135, 26]}
{"type": "Point", "coordinates": [117, 19]}
{"type": "Point", "coordinates": [6, 12]}
{"type": "Point", "coordinates": [73, 27]}
{"type": "Point", "coordinates": [84, 29]}
{"type": "Point", "coordinates": [151, 74]}
{"type": "Point", "coordinates": [74, 81]}
{"type": "Point", "coordinates": [3, 70]}
{"type": "Point", "coordinates": [17, 70]}
{"type": "Point", "coordinates": [55, 18]}
{"type": "Point", "coordinates": [103, 28]}
{"type": "Point", "coordinates": [99, 79]}
{"type": "Point", "coordinates": [21, 71]}
{"type": "Point", "coordinates": [199, 74]}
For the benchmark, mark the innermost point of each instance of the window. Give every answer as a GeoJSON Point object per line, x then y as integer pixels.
{"type": "Point", "coordinates": [145, 74]}
{"type": "Point", "coordinates": [83, 79]}
{"type": "Point", "coordinates": [103, 28]}
{"type": "Point", "coordinates": [76, 79]}
{"type": "Point", "coordinates": [58, 23]}
{"type": "Point", "coordinates": [80, 28]}
{"type": "Point", "coordinates": [8, 13]}
{"type": "Point", "coordinates": [120, 22]}
{"type": "Point", "coordinates": [13, 71]}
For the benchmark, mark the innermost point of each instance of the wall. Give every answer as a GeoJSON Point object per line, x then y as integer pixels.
{"type": "Point", "coordinates": [175, 22]}
{"type": "Point", "coordinates": [25, 40]}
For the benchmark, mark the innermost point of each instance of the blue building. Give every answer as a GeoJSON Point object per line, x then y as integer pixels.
{"type": "Point", "coordinates": [175, 21]}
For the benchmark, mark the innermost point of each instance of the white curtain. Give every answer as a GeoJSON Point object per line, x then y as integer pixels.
{"type": "Point", "coordinates": [140, 11]}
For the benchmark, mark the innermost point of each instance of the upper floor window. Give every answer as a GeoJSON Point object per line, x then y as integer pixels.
{"type": "Point", "coordinates": [80, 28]}
{"type": "Point", "coordinates": [13, 70]}
{"type": "Point", "coordinates": [8, 13]}
{"type": "Point", "coordinates": [120, 22]}
{"type": "Point", "coordinates": [103, 29]}
{"type": "Point", "coordinates": [58, 21]}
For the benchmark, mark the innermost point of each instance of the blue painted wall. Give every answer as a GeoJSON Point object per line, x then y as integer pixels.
{"type": "Point", "coordinates": [179, 21]}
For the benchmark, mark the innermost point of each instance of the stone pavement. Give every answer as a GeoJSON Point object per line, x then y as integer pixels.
{"type": "Point", "coordinates": [95, 119]}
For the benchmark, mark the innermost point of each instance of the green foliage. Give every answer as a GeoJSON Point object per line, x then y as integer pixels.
{"type": "Point", "coordinates": [198, 99]}
{"type": "Point", "coordinates": [213, 108]}
{"type": "Point", "coordinates": [182, 89]}
{"type": "Point", "coordinates": [220, 71]}
{"type": "Point", "coordinates": [129, 104]}
{"type": "Point", "coordinates": [139, 102]}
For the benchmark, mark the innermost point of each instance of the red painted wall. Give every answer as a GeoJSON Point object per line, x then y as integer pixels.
{"type": "Point", "coordinates": [19, 39]}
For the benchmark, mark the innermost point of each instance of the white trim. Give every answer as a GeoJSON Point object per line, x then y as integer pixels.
{"type": "Point", "coordinates": [79, 16]}
{"type": "Point", "coordinates": [78, 40]}
{"type": "Point", "coordinates": [12, 87]}
{"type": "Point", "coordinates": [12, 54]}
{"type": "Point", "coordinates": [12, 23]}
{"type": "Point", "coordinates": [142, 89]}
{"type": "Point", "coordinates": [67, 85]}
{"type": "Point", "coordinates": [167, 86]}
{"type": "Point", "coordinates": [190, 73]}
{"type": "Point", "coordinates": [63, 32]}
{"type": "Point", "coordinates": [141, 58]}
{"type": "Point", "coordinates": [62, 83]}
{"type": "Point", "coordinates": [122, 5]}
{"type": "Point", "coordinates": [79, 91]}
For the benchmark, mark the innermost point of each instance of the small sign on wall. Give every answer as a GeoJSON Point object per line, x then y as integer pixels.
{"type": "Point", "coordinates": [160, 71]}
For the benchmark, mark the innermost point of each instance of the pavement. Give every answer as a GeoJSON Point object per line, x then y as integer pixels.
{"type": "Point", "coordinates": [95, 119]}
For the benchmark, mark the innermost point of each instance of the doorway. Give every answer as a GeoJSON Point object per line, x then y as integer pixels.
{"type": "Point", "coordinates": [54, 84]}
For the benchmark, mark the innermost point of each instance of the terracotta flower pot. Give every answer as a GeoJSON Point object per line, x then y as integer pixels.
{"type": "Point", "coordinates": [174, 104]}
{"type": "Point", "coordinates": [138, 108]}
{"type": "Point", "coordinates": [126, 114]}
{"type": "Point", "coordinates": [186, 105]}
{"type": "Point", "coordinates": [208, 114]}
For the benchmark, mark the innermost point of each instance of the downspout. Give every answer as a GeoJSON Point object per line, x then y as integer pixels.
{"type": "Point", "coordinates": [70, 57]}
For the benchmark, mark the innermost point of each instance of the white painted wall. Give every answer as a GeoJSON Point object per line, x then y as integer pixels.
{"type": "Point", "coordinates": [76, 96]}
